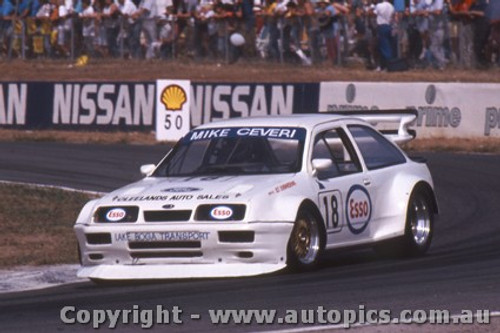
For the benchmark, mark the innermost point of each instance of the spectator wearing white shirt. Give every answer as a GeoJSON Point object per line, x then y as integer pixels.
{"type": "Point", "coordinates": [167, 34]}
{"type": "Point", "coordinates": [420, 10]}
{"type": "Point", "coordinates": [146, 14]}
{"type": "Point", "coordinates": [109, 18]}
{"type": "Point", "coordinates": [384, 12]}
{"type": "Point", "coordinates": [436, 29]}
{"type": "Point", "coordinates": [88, 27]}
{"type": "Point", "coordinates": [64, 25]}
{"type": "Point", "coordinates": [43, 15]}
{"type": "Point", "coordinates": [127, 8]}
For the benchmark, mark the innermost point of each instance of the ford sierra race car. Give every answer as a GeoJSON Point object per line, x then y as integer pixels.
{"type": "Point", "coordinates": [249, 196]}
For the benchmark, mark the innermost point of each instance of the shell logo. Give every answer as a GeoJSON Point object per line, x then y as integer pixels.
{"type": "Point", "coordinates": [173, 97]}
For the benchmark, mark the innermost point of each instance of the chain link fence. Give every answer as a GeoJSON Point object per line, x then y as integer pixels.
{"type": "Point", "coordinates": [213, 35]}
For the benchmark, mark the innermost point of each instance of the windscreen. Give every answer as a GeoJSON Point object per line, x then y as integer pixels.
{"type": "Point", "coordinates": [235, 151]}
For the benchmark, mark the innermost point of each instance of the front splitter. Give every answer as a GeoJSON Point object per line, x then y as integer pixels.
{"type": "Point", "coordinates": [176, 271]}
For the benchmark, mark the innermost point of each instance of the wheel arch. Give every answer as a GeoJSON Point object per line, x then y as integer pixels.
{"type": "Point", "coordinates": [86, 212]}
{"type": "Point", "coordinates": [313, 208]}
{"type": "Point", "coordinates": [405, 245]}
{"type": "Point", "coordinates": [427, 190]}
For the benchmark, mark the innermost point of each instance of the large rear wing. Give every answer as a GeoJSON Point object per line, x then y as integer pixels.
{"type": "Point", "coordinates": [393, 123]}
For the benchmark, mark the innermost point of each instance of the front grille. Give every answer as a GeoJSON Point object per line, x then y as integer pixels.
{"type": "Point", "coordinates": [167, 215]}
{"type": "Point", "coordinates": [179, 249]}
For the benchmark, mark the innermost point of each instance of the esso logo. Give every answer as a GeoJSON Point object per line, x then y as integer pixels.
{"type": "Point", "coordinates": [359, 209]}
{"type": "Point", "coordinates": [221, 212]}
{"type": "Point", "coordinates": [116, 214]}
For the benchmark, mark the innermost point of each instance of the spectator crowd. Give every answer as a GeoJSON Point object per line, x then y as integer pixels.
{"type": "Point", "coordinates": [383, 34]}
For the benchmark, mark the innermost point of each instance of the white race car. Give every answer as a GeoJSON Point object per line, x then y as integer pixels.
{"type": "Point", "coordinates": [251, 196]}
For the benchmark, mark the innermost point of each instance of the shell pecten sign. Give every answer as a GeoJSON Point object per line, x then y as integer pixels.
{"type": "Point", "coordinates": [172, 109]}
{"type": "Point", "coordinates": [173, 97]}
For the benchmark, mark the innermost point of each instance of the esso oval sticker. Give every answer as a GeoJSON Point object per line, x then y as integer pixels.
{"type": "Point", "coordinates": [116, 214]}
{"type": "Point", "coordinates": [221, 212]}
{"type": "Point", "coordinates": [358, 209]}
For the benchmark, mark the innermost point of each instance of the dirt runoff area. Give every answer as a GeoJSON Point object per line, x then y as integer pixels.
{"type": "Point", "coordinates": [242, 71]}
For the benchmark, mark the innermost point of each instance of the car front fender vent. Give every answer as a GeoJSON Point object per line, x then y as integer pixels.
{"type": "Point", "coordinates": [236, 236]}
{"type": "Point", "coordinates": [98, 238]}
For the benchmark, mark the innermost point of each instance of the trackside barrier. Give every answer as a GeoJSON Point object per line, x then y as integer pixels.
{"type": "Point", "coordinates": [464, 110]}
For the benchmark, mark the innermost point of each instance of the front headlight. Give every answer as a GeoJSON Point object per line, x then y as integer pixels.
{"type": "Point", "coordinates": [230, 212]}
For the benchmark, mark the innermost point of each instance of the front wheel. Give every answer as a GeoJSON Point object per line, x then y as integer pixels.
{"type": "Point", "coordinates": [306, 242]}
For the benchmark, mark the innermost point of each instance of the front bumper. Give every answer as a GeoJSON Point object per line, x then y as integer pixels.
{"type": "Point", "coordinates": [181, 250]}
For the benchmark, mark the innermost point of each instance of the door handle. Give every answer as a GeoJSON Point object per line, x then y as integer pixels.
{"type": "Point", "coordinates": [367, 181]}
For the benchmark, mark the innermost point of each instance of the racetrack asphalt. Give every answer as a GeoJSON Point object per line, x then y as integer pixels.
{"type": "Point", "coordinates": [460, 272]}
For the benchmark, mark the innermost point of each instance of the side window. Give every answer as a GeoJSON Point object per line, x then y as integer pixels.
{"type": "Point", "coordinates": [377, 151]}
{"type": "Point", "coordinates": [342, 151]}
{"type": "Point", "coordinates": [334, 145]}
{"type": "Point", "coordinates": [321, 150]}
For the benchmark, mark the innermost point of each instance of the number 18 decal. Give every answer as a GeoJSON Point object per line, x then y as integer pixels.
{"type": "Point", "coordinates": [331, 208]}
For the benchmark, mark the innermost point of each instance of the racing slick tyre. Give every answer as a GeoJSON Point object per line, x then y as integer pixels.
{"type": "Point", "coordinates": [419, 225]}
{"type": "Point", "coordinates": [306, 242]}
{"type": "Point", "coordinates": [419, 229]}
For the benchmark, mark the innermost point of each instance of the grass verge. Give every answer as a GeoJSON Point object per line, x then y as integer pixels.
{"type": "Point", "coordinates": [12, 135]}
{"type": "Point", "coordinates": [36, 225]}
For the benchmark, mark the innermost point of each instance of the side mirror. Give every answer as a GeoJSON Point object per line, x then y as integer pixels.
{"type": "Point", "coordinates": [321, 164]}
{"type": "Point", "coordinates": [147, 169]}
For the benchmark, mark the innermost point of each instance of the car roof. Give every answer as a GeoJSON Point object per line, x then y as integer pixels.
{"type": "Point", "coordinates": [298, 120]}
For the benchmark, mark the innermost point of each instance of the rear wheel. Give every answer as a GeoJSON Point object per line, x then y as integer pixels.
{"type": "Point", "coordinates": [419, 225]}
{"type": "Point", "coordinates": [306, 242]}
{"type": "Point", "coordinates": [419, 229]}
